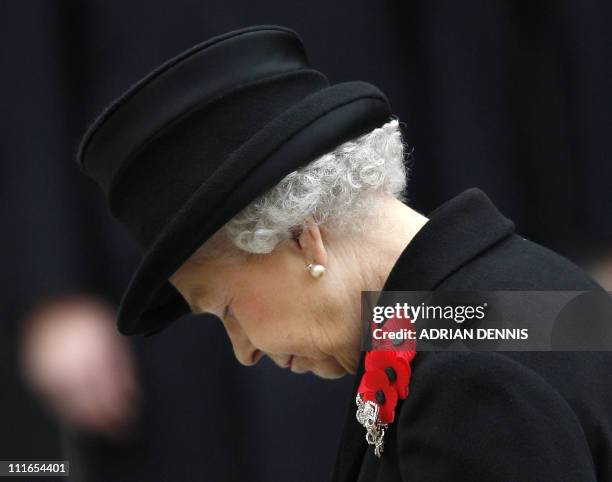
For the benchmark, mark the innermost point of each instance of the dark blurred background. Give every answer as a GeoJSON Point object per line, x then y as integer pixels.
{"type": "Point", "coordinates": [510, 96]}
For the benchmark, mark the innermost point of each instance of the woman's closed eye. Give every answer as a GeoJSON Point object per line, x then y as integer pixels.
{"type": "Point", "coordinates": [227, 311]}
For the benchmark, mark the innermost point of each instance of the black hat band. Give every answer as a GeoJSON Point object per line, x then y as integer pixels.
{"type": "Point", "coordinates": [158, 179]}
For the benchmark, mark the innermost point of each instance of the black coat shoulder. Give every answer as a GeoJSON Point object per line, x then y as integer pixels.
{"type": "Point", "coordinates": [500, 416]}
{"type": "Point", "coordinates": [516, 263]}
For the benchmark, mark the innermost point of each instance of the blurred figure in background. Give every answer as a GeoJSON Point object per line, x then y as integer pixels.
{"type": "Point", "coordinates": [74, 359]}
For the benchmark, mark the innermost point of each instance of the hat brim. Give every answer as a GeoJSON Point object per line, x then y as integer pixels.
{"type": "Point", "coordinates": [309, 129]}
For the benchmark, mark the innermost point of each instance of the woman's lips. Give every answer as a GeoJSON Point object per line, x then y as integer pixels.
{"type": "Point", "coordinates": [289, 362]}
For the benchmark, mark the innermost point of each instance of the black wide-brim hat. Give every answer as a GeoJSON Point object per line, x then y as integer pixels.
{"type": "Point", "coordinates": [190, 145]}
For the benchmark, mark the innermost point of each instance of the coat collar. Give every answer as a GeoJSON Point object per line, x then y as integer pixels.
{"type": "Point", "coordinates": [457, 231]}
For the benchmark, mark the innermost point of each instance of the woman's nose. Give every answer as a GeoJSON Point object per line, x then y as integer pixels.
{"type": "Point", "coordinates": [244, 350]}
{"type": "Point", "coordinates": [248, 356]}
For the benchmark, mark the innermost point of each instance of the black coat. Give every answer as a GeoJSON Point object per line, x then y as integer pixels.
{"type": "Point", "coordinates": [488, 416]}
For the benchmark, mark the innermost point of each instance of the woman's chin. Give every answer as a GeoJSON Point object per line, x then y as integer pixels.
{"type": "Point", "coordinates": [327, 369]}
{"type": "Point", "coordinates": [332, 375]}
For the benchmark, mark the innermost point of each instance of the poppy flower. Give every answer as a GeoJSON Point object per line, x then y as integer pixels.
{"type": "Point", "coordinates": [393, 335]}
{"type": "Point", "coordinates": [375, 387]}
{"type": "Point", "coordinates": [407, 355]}
{"type": "Point", "coordinates": [395, 366]}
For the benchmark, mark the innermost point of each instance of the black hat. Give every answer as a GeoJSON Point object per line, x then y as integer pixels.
{"type": "Point", "coordinates": [195, 141]}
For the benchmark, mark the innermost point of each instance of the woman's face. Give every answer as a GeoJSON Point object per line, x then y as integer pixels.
{"type": "Point", "coordinates": [271, 305]}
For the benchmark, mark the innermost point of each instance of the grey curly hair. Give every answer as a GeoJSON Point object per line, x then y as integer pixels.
{"type": "Point", "coordinates": [340, 190]}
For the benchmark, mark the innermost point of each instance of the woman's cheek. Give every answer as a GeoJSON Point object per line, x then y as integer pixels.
{"type": "Point", "coordinates": [251, 315]}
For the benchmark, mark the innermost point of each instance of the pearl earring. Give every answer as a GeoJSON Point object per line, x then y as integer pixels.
{"type": "Point", "coordinates": [316, 270]}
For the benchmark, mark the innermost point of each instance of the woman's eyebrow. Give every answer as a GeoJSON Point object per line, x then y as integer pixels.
{"type": "Point", "coordinates": [198, 293]}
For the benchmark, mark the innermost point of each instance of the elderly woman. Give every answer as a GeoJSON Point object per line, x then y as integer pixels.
{"type": "Point", "coordinates": [270, 198]}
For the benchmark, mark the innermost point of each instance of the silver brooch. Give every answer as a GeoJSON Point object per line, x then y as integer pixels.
{"type": "Point", "coordinates": [368, 415]}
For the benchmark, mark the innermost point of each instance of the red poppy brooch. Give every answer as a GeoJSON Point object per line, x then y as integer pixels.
{"type": "Point", "coordinates": [385, 381]}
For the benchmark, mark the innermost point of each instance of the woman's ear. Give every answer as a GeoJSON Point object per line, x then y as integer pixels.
{"type": "Point", "coordinates": [310, 243]}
